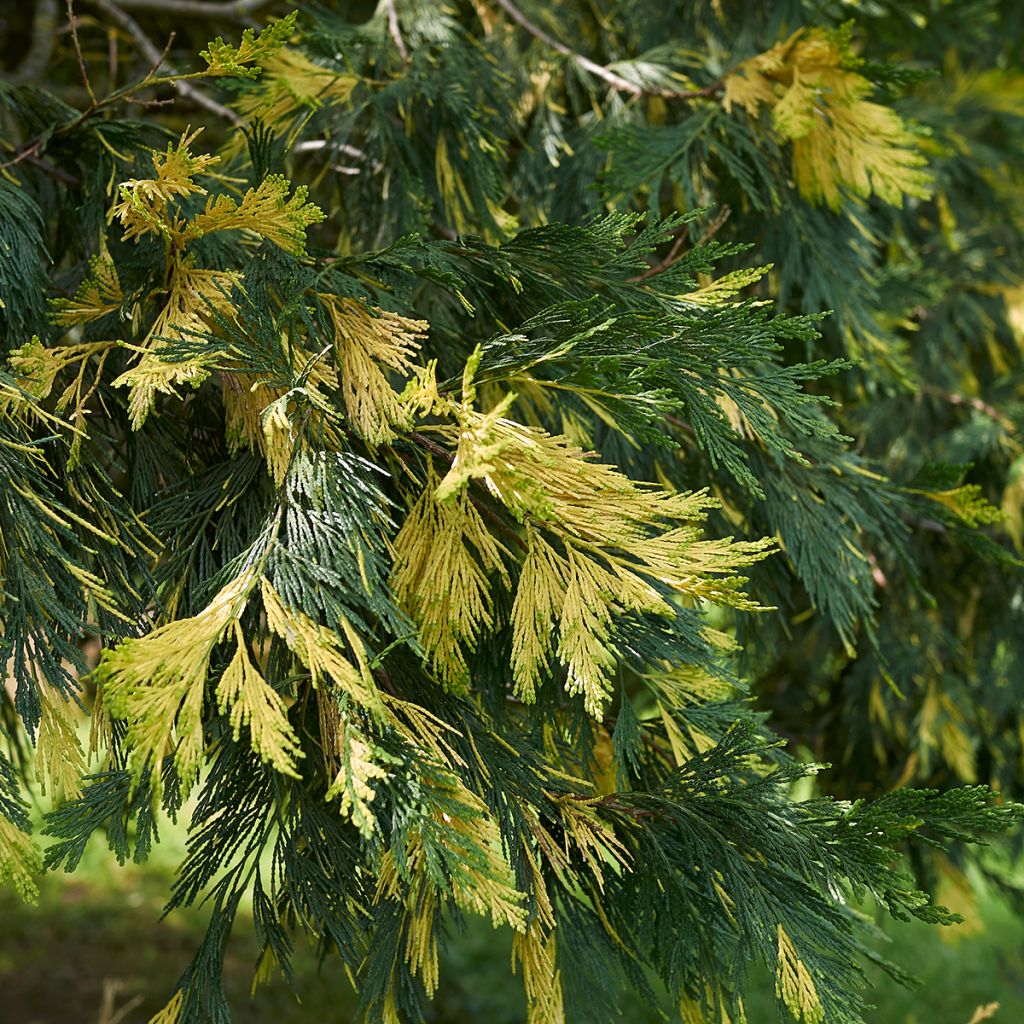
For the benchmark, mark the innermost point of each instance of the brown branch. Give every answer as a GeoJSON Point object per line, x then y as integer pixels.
{"type": "Point", "coordinates": [395, 30]}
{"type": "Point", "coordinates": [162, 57]}
{"type": "Point", "coordinates": [84, 71]}
{"type": "Point", "coordinates": [445, 232]}
{"type": "Point", "coordinates": [432, 446]}
{"type": "Point", "coordinates": [112, 58]}
{"type": "Point", "coordinates": [662, 265]}
{"type": "Point", "coordinates": [73, 25]}
{"type": "Point", "coordinates": [615, 80]}
{"type": "Point", "coordinates": [151, 53]}
{"type": "Point", "coordinates": [26, 152]}
{"type": "Point", "coordinates": [428, 444]}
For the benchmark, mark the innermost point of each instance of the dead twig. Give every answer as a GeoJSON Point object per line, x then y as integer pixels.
{"type": "Point", "coordinates": [233, 9]}
{"type": "Point", "coordinates": [615, 80]}
{"type": "Point", "coordinates": [73, 25]}
{"type": "Point", "coordinates": [395, 30]}
{"type": "Point", "coordinates": [150, 52]}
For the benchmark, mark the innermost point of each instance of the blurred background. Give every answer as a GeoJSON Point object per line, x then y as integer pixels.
{"type": "Point", "coordinates": [92, 952]}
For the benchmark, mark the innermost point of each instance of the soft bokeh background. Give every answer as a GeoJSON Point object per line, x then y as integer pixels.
{"type": "Point", "coordinates": [91, 952]}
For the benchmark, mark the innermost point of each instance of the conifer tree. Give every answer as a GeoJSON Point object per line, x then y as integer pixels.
{"type": "Point", "coordinates": [478, 436]}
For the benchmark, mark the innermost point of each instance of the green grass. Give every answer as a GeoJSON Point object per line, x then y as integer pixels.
{"type": "Point", "coordinates": [94, 951]}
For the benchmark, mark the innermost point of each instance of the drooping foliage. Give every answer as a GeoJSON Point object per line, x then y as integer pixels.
{"type": "Point", "coordinates": [433, 417]}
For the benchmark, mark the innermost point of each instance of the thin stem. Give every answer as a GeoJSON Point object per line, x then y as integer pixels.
{"type": "Point", "coordinates": [616, 81]}
{"type": "Point", "coordinates": [395, 30]}
{"type": "Point", "coordinates": [150, 51]}
{"type": "Point", "coordinates": [73, 25]}
{"type": "Point", "coordinates": [238, 9]}
{"type": "Point", "coordinates": [44, 34]}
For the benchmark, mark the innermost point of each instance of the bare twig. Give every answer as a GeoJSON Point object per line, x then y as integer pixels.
{"type": "Point", "coordinates": [395, 30]}
{"type": "Point", "coordinates": [662, 265]}
{"type": "Point", "coordinates": [73, 25]}
{"type": "Point", "coordinates": [616, 81]}
{"type": "Point", "coordinates": [150, 52]}
{"type": "Point", "coordinates": [978, 404]}
{"type": "Point", "coordinates": [163, 56]}
{"type": "Point", "coordinates": [26, 152]}
{"type": "Point", "coordinates": [44, 33]}
{"type": "Point", "coordinates": [197, 8]}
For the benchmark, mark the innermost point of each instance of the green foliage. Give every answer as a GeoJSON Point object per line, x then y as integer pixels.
{"type": "Point", "coordinates": [23, 267]}
{"type": "Point", "coordinates": [460, 521]}
{"type": "Point", "coordinates": [240, 61]}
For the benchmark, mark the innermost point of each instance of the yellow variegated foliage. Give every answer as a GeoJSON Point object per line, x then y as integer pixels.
{"type": "Point", "coordinates": [794, 984]}
{"type": "Point", "coordinates": [60, 760]}
{"type": "Point", "coordinates": [536, 950]}
{"type": "Point", "coordinates": [594, 839]}
{"type": "Point", "coordinates": [683, 686]}
{"type": "Point", "coordinates": [462, 212]}
{"type": "Point", "coordinates": [266, 210]}
{"type": "Point", "coordinates": [1013, 503]}
{"type": "Point", "coordinates": [171, 1013]}
{"type": "Point", "coordinates": [444, 560]}
{"type": "Point", "coordinates": [254, 704]}
{"type": "Point", "coordinates": [20, 860]}
{"type": "Point", "coordinates": [157, 683]}
{"type": "Point", "coordinates": [941, 729]}
{"type": "Point", "coordinates": [241, 61]}
{"type": "Point", "coordinates": [967, 503]}
{"type": "Point", "coordinates": [483, 883]}
{"type": "Point", "coordinates": [37, 366]}
{"type": "Point", "coordinates": [36, 369]}
{"type": "Point", "coordinates": [291, 82]}
{"type": "Point", "coordinates": [579, 594]}
{"type": "Point", "coordinates": [596, 544]}
{"type": "Point", "coordinates": [99, 294]}
{"type": "Point", "coordinates": [278, 437]}
{"type": "Point", "coordinates": [690, 1010]}
{"type": "Point", "coordinates": [368, 346]}
{"type": "Point", "coordinates": [358, 768]}
{"type": "Point", "coordinates": [420, 906]}
{"type": "Point", "coordinates": [721, 291]}
{"type": "Point", "coordinates": [143, 202]}
{"type": "Point", "coordinates": [595, 562]}
{"type": "Point", "coordinates": [257, 417]}
{"type": "Point", "coordinates": [317, 648]}
{"type": "Point", "coordinates": [193, 294]}
{"type": "Point", "coordinates": [842, 142]}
